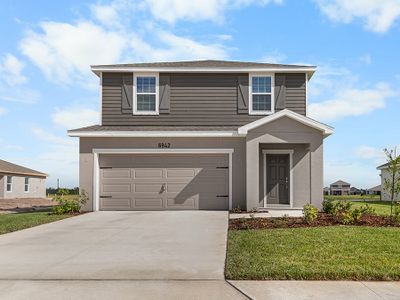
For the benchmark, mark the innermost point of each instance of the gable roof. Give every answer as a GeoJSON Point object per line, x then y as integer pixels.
{"type": "Point", "coordinates": [203, 66]}
{"type": "Point", "coordinates": [326, 130]}
{"type": "Point", "coordinates": [13, 169]}
{"type": "Point", "coordinates": [377, 188]}
{"type": "Point", "coordinates": [340, 182]}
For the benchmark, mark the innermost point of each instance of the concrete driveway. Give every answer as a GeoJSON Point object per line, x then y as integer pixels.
{"type": "Point", "coordinates": [119, 246]}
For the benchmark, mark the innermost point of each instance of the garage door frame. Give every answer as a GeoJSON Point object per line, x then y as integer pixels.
{"type": "Point", "coordinates": [96, 166]}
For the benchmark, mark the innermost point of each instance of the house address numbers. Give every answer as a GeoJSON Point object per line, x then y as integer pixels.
{"type": "Point", "coordinates": [164, 145]}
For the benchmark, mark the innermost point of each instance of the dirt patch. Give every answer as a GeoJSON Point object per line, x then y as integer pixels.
{"type": "Point", "coordinates": [25, 204]}
{"type": "Point", "coordinates": [291, 222]}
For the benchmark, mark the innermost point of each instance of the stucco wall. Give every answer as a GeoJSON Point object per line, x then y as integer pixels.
{"type": "Point", "coordinates": [238, 158]}
{"type": "Point", "coordinates": [37, 187]}
{"type": "Point", "coordinates": [286, 133]}
{"type": "Point", "coordinates": [1, 186]}
{"type": "Point", "coordinates": [385, 193]}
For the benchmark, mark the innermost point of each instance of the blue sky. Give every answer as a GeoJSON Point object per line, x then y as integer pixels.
{"type": "Point", "coordinates": [46, 86]}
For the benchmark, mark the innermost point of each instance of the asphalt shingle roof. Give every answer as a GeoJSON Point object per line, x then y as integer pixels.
{"type": "Point", "coordinates": [10, 168]}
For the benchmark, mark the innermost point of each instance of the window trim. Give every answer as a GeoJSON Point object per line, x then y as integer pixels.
{"type": "Point", "coordinates": [261, 112]}
{"type": "Point", "coordinates": [11, 184]}
{"type": "Point", "coordinates": [26, 184]}
{"type": "Point", "coordinates": [148, 113]}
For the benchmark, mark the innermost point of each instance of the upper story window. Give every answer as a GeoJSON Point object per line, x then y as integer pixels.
{"type": "Point", "coordinates": [261, 94]}
{"type": "Point", "coordinates": [26, 184]}
{"type": "Point", "coordinates": [145, 94]}
{"type": "Point", "coordinates": [9, 183]}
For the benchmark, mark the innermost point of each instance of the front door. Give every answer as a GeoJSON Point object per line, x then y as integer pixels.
{"type": "Point", "coordinates": [277, 176]}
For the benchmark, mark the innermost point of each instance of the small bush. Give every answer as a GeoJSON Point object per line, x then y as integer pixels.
{"type": "Point", "coordinates": [341, 208]}
{"type": "Point", "coordinates": [237, 210]}
{"type": "Point", "coordinates": [396, 212]}
{"type": "Point", "coordinates": [310, 213]}
{"type": "Point", "coordinates": [367, 210]}
{"type": "Point", "coordinates": [68, 206]}
{"type": "Point", "coordinates": [328, 206]}
{"type": "Point", "coordinates": [357, 214]}
{"type": "Point", "coordinates": [347, 218]}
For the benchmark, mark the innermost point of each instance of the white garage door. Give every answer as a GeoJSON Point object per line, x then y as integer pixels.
{"type": "Point", "coordinates": [164, 182]}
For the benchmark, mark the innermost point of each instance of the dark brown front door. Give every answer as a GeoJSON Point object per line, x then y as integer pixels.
{"type": "Point", "coordinates": [278, 185]}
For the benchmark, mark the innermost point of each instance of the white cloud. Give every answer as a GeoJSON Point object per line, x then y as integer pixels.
{"type": "Point", "coordinates": [370, 153]}
{"type": "Point", "coordinates": [377, 16]}
{"type": "Point", "coordinates": [62, 50]}
{"type": "Point", "coordinates": [274, 56]}
{"type": "Point", "coordinates": [75, 117]}
{"type": "Point", "coordinates": [11, 70]}
{"type": "Point", "coordinates": [196, 10]}
{"type": "Point", "coordinates": [3, 111]}
{"type": "Point", "coordinates": [366, 59]}
{"type": "Point", "coordinates": [46, 136]}
{"type": "Point", "coordinates": [351, 102]}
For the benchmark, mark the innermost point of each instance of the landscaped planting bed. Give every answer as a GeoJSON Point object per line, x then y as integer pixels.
{"type": "Point", "coordinates": [322, 219]}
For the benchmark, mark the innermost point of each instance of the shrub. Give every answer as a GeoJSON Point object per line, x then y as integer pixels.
{"type": "Point", "coordinates": [347, 218]}
{"type": "Point", "coordinates": [67, 206]}
{"type": "Point", "coordinates": [341, 208]}
{"type": "Point", "coordinates": [310, 213]}
{"type": "Point", "coordinates": [396, 212]}
{"type": "Point", "coordinates": [328, 206]}
{"type": "Point", "coordinates": [357, 214]}
{"type": "Point", "coordinates": [367, 210]}
{"type": "Point", "coordinates": [237, 210]}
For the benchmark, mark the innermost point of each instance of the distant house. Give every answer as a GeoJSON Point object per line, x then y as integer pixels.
{"type": "Point", "coordinates": [385, 194]}
{"type": "Point", "coordinates": [326, 190]}
{"type": "Point", "coordinates": [355, 191]}
{"type": "Point", "coordinates": [20, 182]}
{"type": "Point", "coordinates": [340, 188]}
{"type": "Point", "coordinates": [376, 190]}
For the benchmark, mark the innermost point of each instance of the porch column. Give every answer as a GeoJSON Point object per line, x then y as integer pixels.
{"type": "Point", "coordinates": [252, 174]}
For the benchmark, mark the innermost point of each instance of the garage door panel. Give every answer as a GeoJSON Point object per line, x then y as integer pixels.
{"type": "Point", "coordinates": [147, 188]}
{"type": "Point", "coordinates": [116, 173]}
{"type": "Point", "coordinates": [115, 203]}
{"type": "Point", "coordinates": [148, 203]}
{"type": "Point", "coordinates": [147, 173]}
{"type": "Point", "coordinates": [179, 173]}
{"type": "Point", "coordinates": [118, 188]}
{"type": "Point", "coordinates": [173, 203]}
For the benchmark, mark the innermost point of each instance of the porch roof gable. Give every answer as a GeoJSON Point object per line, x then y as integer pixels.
{"type": "Point", "coordinates": [326, 130]}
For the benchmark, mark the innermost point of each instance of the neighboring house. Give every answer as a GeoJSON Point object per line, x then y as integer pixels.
{"type": "Point", "coordinates": [385, 175]}
{"type": "Point", "coordinates": [20, 182]}
{"type": "Point", "coordinates": [202, 135]}
{"type": "Point", "coordinates": [340, 188]}
{"type": "Point", "coordinates": [355, 191]}
{"type": "Point", "coordinates": [376, 190]}
{"type": "Point", "coordinates": [326, 190]}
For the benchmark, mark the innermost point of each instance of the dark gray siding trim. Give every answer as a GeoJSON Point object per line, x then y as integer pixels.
{"type": "Point", "coordinates": [194, 100]}
{"type": "Point", "coordinates": [294, 92]}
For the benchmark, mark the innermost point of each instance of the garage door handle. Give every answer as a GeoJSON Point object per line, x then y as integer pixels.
{"type": "Point", "coordinates": [222, 196]}
{"type": "Point", "coordinates": [105, 196]}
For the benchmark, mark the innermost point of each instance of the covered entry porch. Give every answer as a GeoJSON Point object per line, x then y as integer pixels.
{"type": "Point", "coordinates": [284, 162]}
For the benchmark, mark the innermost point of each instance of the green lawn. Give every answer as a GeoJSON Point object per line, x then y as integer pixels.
{"type": "Point", "coordinates": [318, 253]}
{"type": "Point", "coordinates": [353, 197]}
{"type": "Point", "coordinates": [381, 207]}
{"type": "Point", "coordinates": [18, 221]}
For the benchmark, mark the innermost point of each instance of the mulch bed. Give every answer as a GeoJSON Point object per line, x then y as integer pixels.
{"type": "Point", "coordinates": [296, 222]}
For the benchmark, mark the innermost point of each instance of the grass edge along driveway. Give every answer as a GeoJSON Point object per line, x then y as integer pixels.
{"type": "Point", "coordinates": [319, 253]}
{"type": "Point", "coordinates": [18, 221]}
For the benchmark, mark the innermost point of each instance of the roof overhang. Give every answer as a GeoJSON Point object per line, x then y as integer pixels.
{"type": "Point", "coordinates": [6, 173]}
{"type": "Point", "coordinates": [325, 129]}
{"type": "Point", "coordinates": [153, 133]}
{"type": "Point", "coordinates": [100, 69]}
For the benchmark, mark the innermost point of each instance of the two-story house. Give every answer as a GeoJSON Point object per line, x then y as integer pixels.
{"type": "Point", "coordinates": [340, 188]}
{"type": "Point", "coordinates": [202, 135]}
